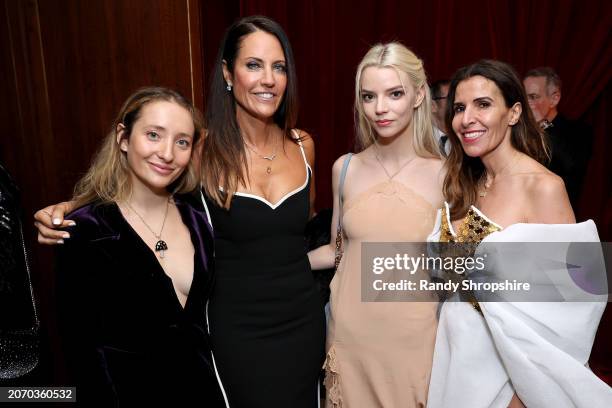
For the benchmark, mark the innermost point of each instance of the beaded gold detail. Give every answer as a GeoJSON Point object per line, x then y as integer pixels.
{"type": "Point", "coordinates": [339, 249]}
{"type": "Point", "coordinates": [472, 230]}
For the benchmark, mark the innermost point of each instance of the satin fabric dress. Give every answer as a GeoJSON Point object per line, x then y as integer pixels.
{"type": "Point", "coordinates": [267, 323]}
{"type": "Point", "coordinates": [379, 354]}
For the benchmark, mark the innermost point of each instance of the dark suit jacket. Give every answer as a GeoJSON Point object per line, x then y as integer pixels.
{"type": "Point", "coordinates": [571, 144]}
{"type": "Point", "coordinates": [128, 341]}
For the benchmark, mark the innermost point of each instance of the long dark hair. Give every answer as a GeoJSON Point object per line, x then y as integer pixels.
{"type": "Point", "coordinates": [465, 173]}
{"type": "Point", "coordinates": [224, 156]}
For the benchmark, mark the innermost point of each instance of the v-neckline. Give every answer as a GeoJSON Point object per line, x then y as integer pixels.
{"type": "Point", "coordinates": [152, 256]}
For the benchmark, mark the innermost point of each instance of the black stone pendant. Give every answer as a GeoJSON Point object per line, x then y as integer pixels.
{"type": "Point", "coordinates": [160, 247]}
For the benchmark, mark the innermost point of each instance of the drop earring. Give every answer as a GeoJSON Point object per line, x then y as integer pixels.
{"type": "Point", "coordinates": [229, 87]}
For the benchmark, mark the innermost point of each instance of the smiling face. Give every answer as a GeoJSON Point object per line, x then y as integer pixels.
{"type": "Point", "coordinates": [481, 120]}
{"type": "Point", "coordinates": [159, 147]}
{"type": "Point", "coordinates": [389, 102]}
{"type": "Point", "coordinates": [259, 78]}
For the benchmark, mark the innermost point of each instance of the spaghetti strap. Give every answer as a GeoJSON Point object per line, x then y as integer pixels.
{"type": "Point", "coordinates": [345, 165]}
{"type": "Point", "coordinates": [297, 138]}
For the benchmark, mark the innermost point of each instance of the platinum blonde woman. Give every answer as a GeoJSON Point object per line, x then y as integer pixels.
{"type": "Point", "coordinates": [379, 354]}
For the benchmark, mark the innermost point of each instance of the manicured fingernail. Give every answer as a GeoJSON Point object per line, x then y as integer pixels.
{"type": "Point", "coordinates": [57, 221]}
{"type": "Point", "coordinates": [65, 235]}
{"type": "Point", "coordinates": [60, 241]}
{"type": "Point", "coordinates": [71, 223]}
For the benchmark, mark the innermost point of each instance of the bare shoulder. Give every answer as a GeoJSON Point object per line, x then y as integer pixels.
{"type": "Point", "coordinates": [433, 169]}
{"type": "Point", "coordinates": [433, 164]}
{"type": "Point", "coordinates": [365, 155]}
{"type": "Point", "coordinates": [303, 137]}
{"type": "Point", "coordinates": [542, 184]}
{"type": "Point", "coordinates": [547, 198]}
{"type": "Point", "coordinates": [546, 186]}
{"type": "Point", "coordinates": [307, 142]}
{"type": "Point", "coordinates": [337, 167]}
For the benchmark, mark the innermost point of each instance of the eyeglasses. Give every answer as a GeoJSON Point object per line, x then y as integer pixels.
{"type": "Point", "coordinates": [437, 98]}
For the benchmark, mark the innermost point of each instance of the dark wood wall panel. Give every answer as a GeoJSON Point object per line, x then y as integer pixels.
{"type": "Point", "coordinates": [28, 109]}
{"type": "Point", "coordinates": [66, 66]}
{"type": "Point", "coordinates": [216, 16]}
{"type": "Point", "coordinates": [96, 54]}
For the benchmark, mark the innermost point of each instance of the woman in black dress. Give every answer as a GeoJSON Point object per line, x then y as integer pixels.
{"type": "Point", "coordinates": [266, 322]}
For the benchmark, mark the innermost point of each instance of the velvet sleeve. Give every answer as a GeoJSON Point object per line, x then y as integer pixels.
{"type": "Point", "coordinates": [79, 293]}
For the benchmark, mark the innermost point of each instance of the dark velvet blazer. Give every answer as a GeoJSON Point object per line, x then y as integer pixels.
{"type": "Point", "coordinates": [127, 339]}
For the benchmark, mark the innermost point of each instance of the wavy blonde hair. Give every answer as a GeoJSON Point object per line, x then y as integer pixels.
{"type": "Point", "coordinates": [397, 56]}
{"type": "Point", "coordinates": [107, 179]}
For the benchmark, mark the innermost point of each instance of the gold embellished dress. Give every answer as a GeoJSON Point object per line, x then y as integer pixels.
{"type": "Point", "coordinates": [536, 350]}
{"type": "Point", "coordinates": [473, 229]}
{"type": "Point", "coordinates": [379, 354]}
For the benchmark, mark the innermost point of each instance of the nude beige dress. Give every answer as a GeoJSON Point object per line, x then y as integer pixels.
{"type": "Point", "coordinates": [379, 354]}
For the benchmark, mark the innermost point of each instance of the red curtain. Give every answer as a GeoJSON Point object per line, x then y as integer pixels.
{"type": "Point", "coordinates": [330, 37]}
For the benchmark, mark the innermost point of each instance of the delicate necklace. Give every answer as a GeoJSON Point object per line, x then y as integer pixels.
{"type": "Point", "coordinates": [488, 183]}
{"type": "Point", "coordinates": [269, 158]}
{"type": "Point", "coordinates": [160, 245]}
{"type": "Point", "coordinates": [390, 176]}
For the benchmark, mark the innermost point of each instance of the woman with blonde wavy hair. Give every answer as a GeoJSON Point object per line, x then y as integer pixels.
{"type": "Point", "coordinates": [380, 354]}
{"type": "Point", "coordinates": [264, 314]}
{"type": "Point", "coordinates": [135, 276]}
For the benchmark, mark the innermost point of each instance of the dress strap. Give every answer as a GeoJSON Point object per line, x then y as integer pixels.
{"type": "Point", "coordinates": [345, 165]}
{"type": "Point", "coordinates": [298, 139]}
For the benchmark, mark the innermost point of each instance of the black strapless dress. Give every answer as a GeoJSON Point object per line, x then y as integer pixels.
{"type": "Point", "coordinates": [266, 321]}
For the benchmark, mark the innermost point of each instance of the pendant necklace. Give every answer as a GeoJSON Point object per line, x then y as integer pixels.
{"type": "Point", "coordinates": [488, 183]}
{"type": "Point", "coordinates": [390, 176]}
{"type": "Point", "coordinates": [160, 245]}
{"type": "Point", "coordinates": [269, 158]}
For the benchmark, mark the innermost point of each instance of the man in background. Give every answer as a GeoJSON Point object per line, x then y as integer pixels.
{"type": "Point", "coordinates": [570, 141]}
{"type": "Point", "coordinates": [439, 93]}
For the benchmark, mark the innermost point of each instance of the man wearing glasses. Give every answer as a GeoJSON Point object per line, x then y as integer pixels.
{"type": "Point", "coordinates": [439, 93]}
{"type": "Point", "coordinates": [570, 141]}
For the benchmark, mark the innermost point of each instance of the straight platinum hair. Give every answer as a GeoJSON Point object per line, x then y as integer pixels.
{"type": "Point", "coordinates": [397, 56]}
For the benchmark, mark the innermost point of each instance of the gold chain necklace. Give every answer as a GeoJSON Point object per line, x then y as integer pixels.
{"type": "Point", "coordinates": [383, 166]}
{"type": "Point", "coordinates": [160, 245]}
{"type": "Point", "coordinates": [487, 184]}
